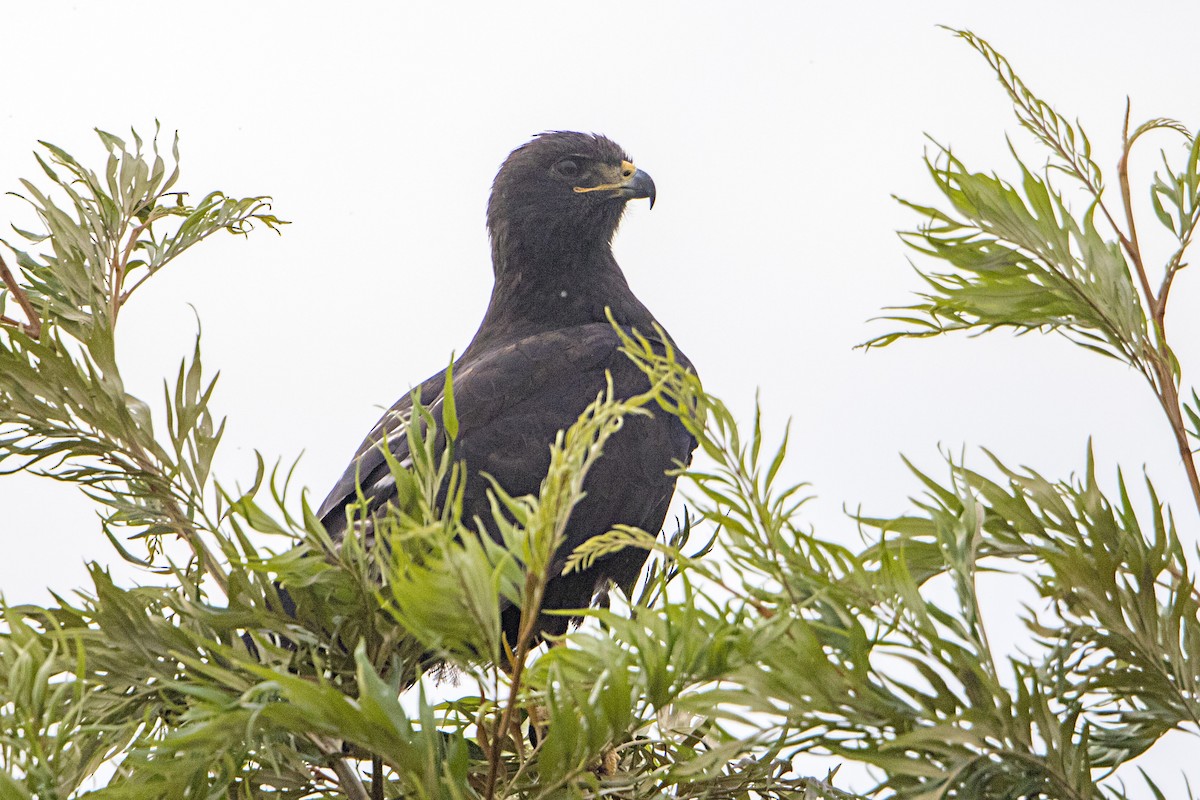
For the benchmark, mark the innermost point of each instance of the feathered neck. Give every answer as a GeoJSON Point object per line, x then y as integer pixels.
{"type": "Point", "coordinates": [540, 286]}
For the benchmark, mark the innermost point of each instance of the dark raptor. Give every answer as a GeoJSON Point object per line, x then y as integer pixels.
{"type": "Point", "coordinates": [539, 358]}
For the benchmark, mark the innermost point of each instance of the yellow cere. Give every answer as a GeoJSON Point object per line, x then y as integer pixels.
{"type": "Point", "coordinates": [627, 171]}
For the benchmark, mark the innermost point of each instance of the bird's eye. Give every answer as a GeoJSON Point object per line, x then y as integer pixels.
{"type": "Point", "coordinates": [568, 168]}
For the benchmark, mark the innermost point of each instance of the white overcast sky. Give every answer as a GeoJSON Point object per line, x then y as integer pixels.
{"type": "Point", "coordinates": [776, 133]}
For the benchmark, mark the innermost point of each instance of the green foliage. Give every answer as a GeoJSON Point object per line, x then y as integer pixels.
{"type": "Point", "coordinates": [1022, 251]}
{"type": "Point", "coordinates": [64, 411]}
{"type": "Point", "coordinates": [752, 640]}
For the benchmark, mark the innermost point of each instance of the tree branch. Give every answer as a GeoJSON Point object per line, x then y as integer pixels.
{"type": "Point", "coordinates": [376, 778]}
{"type": "Point", "coordinates": [120, 264]}
{"type": "Point", "coordinates": [1168, 396]}
{"type": "Point", "coordinates": [1130, 242]}
{"type": "Point", "coordinates": [33, 328]}
{"type": "Point", "coordinates": [1173, 267]}
{"type": "Point", "coordinates": [535, 586]}
{"type": "Point", "coordinates": [348, 779]}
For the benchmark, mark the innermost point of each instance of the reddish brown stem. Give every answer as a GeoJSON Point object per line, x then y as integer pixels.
{"type": "Point", "coordinates": [1169, 398]}
{"type": "Point", "coordinates": [1160, 359]}
{"type": "Point", "coordinates": [1160, 313]}
{"type": "Point", "coordinates": [33, 328]}
{"type": "Point", "coordinates": [1173, 267]}
{"type": "Point", "coordinates": [1130, 242]}
{"type": "Point", "coordinates": [120, 264]}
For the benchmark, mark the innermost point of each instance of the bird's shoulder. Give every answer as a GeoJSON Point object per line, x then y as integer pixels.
{"type": "Point", "coordinates": [536, 360]}
{"type": "Point", "coordinates": [543, 380]}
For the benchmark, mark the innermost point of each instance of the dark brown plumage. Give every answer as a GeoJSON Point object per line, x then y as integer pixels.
{"type": "Point", "coordinates": [540, 357]}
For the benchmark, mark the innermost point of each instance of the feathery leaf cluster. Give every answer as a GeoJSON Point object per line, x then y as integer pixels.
{"type": "Point", "coordinates": [751, 640]}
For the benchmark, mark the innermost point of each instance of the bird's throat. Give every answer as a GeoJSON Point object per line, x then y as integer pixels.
{"type": "Point", "coordinates": [541, 291]}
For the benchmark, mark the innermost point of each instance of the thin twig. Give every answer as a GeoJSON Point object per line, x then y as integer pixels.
{"type": "Point", "coordinates": [1130, 241]}
{"type": "Point", "coordinates": [1168, 397]}
{"type": "Point", "coordinates": [1160, 314]}
{"type": "Point", "coordinates": [33, 328]}
{"type": "Point", "coordinates": [125, 294]}
{"type": "Point", "coordinates": [184, 527]}
{"type": "Point", "coordinates": [1164, 384]}
{"type": "Point", "coordinates": [1160, 357]}
{"type": "Point", "coordinates": [530, 612]}
{"type": "Point", "coordinates": [376, 778]}
{"type": "Point", "coordinates": [120, 264]}
{"type": "Point", "coordinates": [348, 779]}
{"type": "Point", "coordinates": [1173, 267]}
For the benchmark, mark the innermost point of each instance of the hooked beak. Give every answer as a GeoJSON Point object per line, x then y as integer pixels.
{"type": "Point", "coordinates": [639, 184]}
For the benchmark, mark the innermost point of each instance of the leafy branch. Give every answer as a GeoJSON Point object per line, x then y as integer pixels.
{"type": "Point", "coordinates": [1023, 259]}
{"type": "Point", "coordinates": [63, 408]}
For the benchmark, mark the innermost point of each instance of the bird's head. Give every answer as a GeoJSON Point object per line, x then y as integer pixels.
{"type": "Point", "coordinates": [564, 187]}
